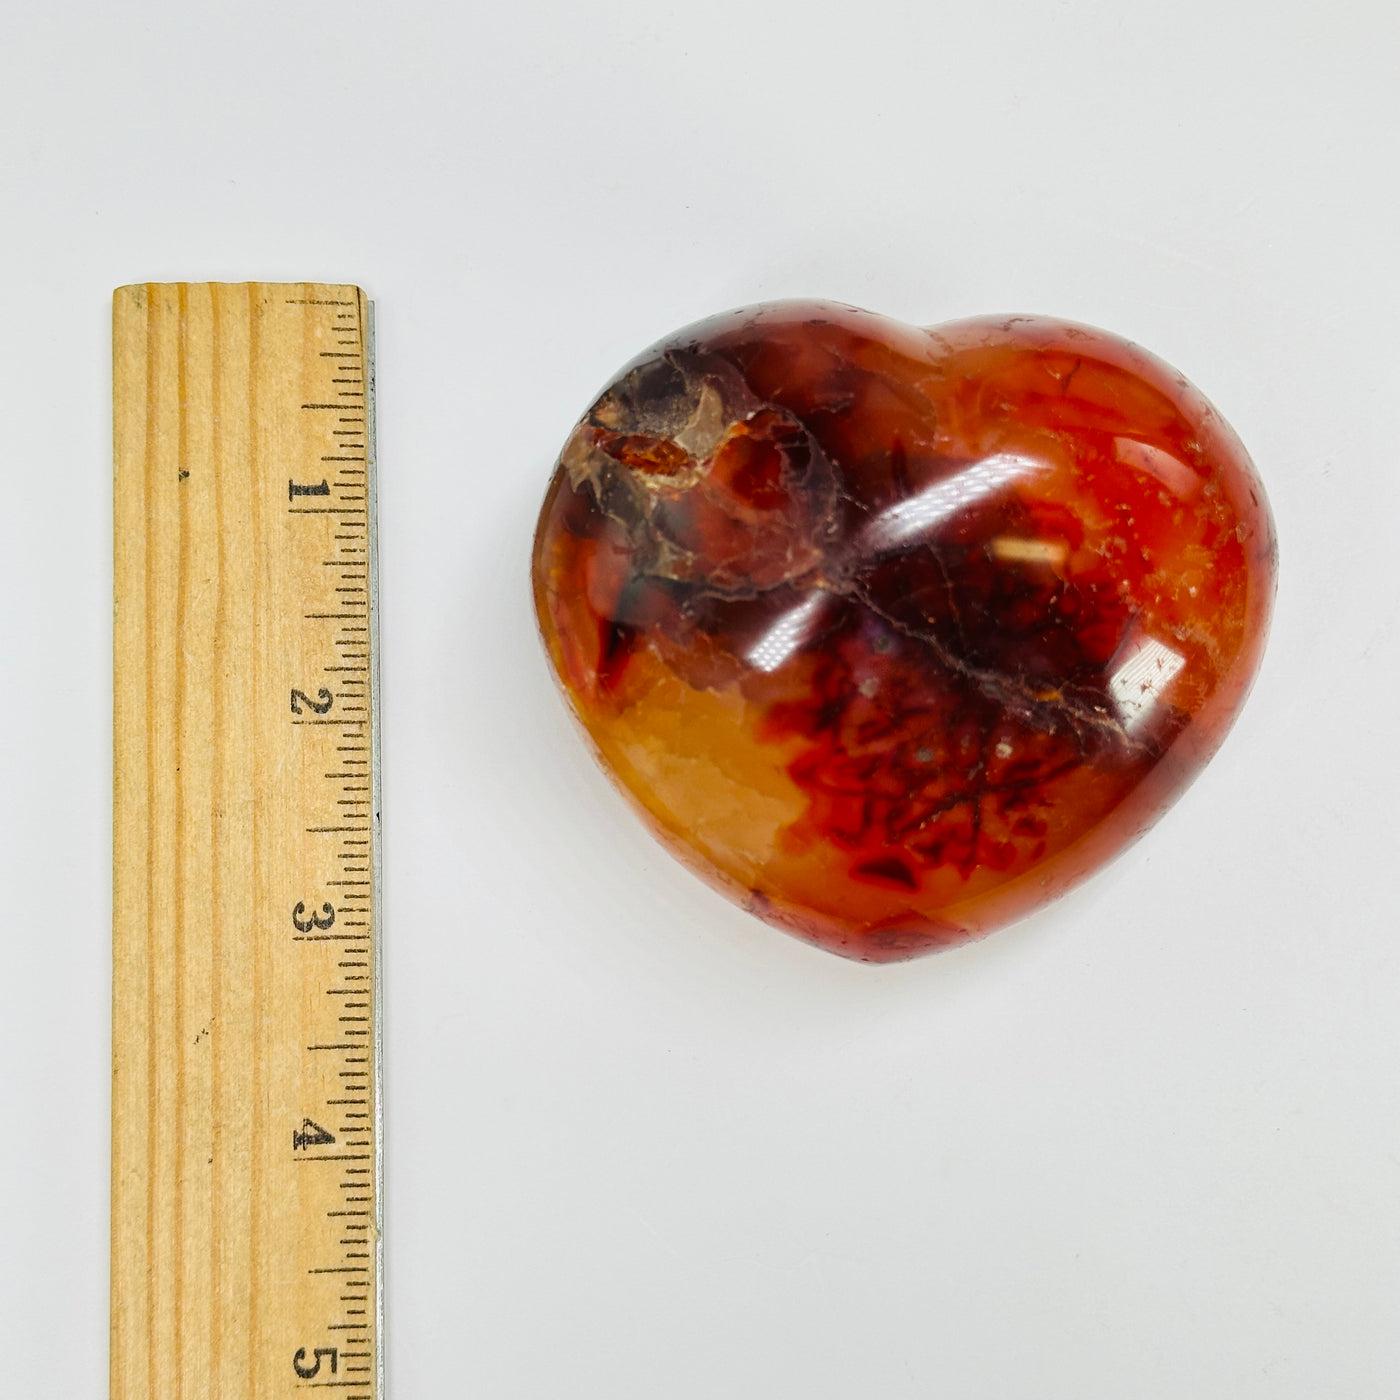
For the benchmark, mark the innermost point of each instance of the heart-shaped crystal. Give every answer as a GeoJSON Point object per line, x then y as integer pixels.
{"type": "Point", "coordinates": [895, 634]}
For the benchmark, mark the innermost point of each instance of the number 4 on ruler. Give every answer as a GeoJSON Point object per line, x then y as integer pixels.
{"type": "Point", "coordinates": [310, 1135]}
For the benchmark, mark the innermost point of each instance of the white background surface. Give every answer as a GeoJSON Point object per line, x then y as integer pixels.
{"type": "Point", "coordinates": [1146, 1144]}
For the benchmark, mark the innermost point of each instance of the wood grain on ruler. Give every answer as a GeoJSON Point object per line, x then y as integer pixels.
{"type": "Point", "coordinates": [244, 1224]}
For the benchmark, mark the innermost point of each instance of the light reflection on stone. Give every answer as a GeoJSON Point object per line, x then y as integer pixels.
{"type": "Point", "coordinates": [904, 523]}
{"type": "Point", "coordinates": [786, 635]}
{"type": "Point", "coordinates": [1015, 551]}
{"type": "Point", "coordinates": [1170, 471]}
{"type": "Point", "coordinates": [1146, 670]}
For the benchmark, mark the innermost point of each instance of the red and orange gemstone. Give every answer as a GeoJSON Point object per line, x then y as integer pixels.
{"type": "Point", "coordinates": [896, 634]}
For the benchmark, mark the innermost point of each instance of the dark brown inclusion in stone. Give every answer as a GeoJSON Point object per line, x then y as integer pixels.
{"type": "Point", "coordinates": [896, 634]}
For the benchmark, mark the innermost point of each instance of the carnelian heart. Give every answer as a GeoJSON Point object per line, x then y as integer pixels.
{"type": "Point", "coordinates": [896, 634]}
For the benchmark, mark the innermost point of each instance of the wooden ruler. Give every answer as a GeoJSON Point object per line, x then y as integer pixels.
{"type": "Point", "coordinates": [246, 1151]}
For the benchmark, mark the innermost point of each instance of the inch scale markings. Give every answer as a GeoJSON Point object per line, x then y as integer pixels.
{"type": "Point", "coordinates": [247, 1153]}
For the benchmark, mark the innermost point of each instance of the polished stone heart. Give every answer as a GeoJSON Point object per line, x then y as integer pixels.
{"type": "Point", "coordinates": [892, 634]}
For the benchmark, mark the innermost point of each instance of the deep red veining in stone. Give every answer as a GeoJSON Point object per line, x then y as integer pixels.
{"type": "Point", "coordinates": [896, 634]}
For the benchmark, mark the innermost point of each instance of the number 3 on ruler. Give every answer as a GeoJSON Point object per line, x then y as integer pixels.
{"type": "Point", "coordinates": [306, 1372]}
{"type": "Point", "coordinates": [316, 920]}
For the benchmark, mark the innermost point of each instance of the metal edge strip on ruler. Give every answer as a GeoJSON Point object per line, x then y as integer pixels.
{"type": "Point", "coordinates": [376, 875]}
